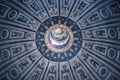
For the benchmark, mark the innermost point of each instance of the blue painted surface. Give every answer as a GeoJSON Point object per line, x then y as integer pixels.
{"type": "Point", "coordinates": [94, 55]}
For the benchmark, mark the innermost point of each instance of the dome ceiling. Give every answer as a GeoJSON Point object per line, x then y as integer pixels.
{"type": "Point", "coordinates": [59, 39]}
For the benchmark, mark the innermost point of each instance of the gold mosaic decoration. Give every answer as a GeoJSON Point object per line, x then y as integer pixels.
{"type": "Point", "coordinates": [69, 44]}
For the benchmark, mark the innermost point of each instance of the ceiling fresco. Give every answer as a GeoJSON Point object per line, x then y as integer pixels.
{"type": "Point", "coordinates": [59, 39]}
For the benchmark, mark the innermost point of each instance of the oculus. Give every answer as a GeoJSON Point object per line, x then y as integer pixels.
{"type": "Point", "coordinates": [59, 38]}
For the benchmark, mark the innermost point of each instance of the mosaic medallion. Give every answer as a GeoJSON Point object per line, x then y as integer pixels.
{"type": "Point", "coordinates": [59, 39]}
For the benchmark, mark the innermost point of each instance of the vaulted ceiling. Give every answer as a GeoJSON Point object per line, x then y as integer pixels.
{"type": "Point", "coordinates": [59, 40]}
